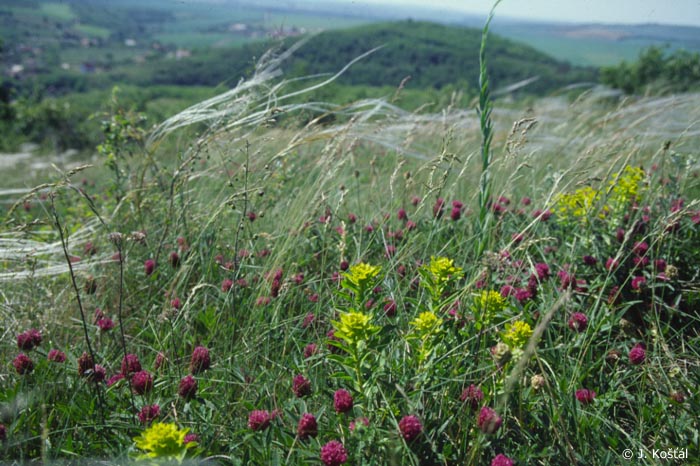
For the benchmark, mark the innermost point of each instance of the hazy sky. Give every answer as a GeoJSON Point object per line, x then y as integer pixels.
{"type": "Point", "coordinates": [608, 11]}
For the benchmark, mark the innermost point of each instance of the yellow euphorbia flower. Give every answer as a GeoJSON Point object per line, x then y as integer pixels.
{"type": "Point", "coordinates": [517, 334]}
{"type": "Point", "coordinates": [442, 269]}
{"type": "Point", "coordinates": [163, 440]}
{"type": "Point", "coordinates": [426, 324]}
{"type": "Point", "coordinates": [354, 327]}
{"type": "Point", "coordinates": [362, 273]}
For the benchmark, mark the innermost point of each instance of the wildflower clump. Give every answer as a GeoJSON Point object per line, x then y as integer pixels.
{"type": "Point", "coordinates": [578, 206]}
{"type": "Point", "coordinates": [354, 327]}
{"type": "Point", "coordinates": [442, 269]}
{"type": "Point", "coordinates": [488, 304]}
{"type": "Point", "coordinates": [517, 334]}
{"type": "Point", "coordinates": [427, 324]}
{"type": "Point", "coordinates": [359, 279]}
{"type": "Point", "coordinates": [162, 440]}
{"type": "Point", "coordinates": [626, 186]}
{"type": "Point", "coordinates": [437, 276]}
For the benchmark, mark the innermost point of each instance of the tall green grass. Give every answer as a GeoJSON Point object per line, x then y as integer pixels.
{"type": "Point", "coordinates": [263, 214]}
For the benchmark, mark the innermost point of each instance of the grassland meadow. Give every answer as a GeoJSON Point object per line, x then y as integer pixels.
{"type": "Point", "coordinates": [242, 285]}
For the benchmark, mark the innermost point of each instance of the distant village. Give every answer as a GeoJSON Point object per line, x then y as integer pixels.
{"type": "Point", "coordinates": [22, 60]}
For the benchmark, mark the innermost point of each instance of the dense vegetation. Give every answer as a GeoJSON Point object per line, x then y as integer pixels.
{"type": "Point", "coordinates": [656, 71]}
{"type": "Point", "coordinates": [324, 294]}
{"type": "Point", "coordinates": [55, 107]}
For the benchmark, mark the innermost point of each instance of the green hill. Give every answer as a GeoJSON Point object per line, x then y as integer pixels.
{"type": "Point", "coordinates": [432, 55]}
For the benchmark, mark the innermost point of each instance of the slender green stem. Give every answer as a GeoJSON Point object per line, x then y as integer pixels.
{"type": "Point", "coordinates": [486, 125]}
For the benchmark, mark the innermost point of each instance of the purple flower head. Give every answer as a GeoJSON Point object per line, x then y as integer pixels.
{"type": "Point", "coordinates": [472, 396]}
{"type": "Point", "coordinates": [90, 249]}
{"type": "Point", "coordinates": [259, 420]}
{"type": "Point", "coordinates": [149, 413]}
{"type": "Point", "coordinates": [501, 460]}
{"type": "Point", "coordinates": [401, 215]}
{"type": "Point", "coordinates": [342, 401]}
{"type": "Point", "coordinates": [590, 260]}
{"type": "Point", "coordinates": [638, 354]}
{"type": "Point", "coordinates": [438, 207]}
{"type": "Point", "coordinates": [638, 282]}
{"type": "Point", "coordinates": [142, 382]}
{"type": "Point", "coordinates": [309, 320]}
{"type": "Point", "coordinates": [640, 262]}
{"type": "Point", "coordinates": [307, 426]}
{"type": "Point", "coordinates": [620, 235]}
{"type": "Point", "coordinates": [105, 324]}
{"type": "Point", "coordinates": [23, 365]}
{"type": "Point", "coordinates": [190, 438]}
{"type": "Point", "coordinates": [488, 421]}
{"type": "Point", "coordinates": [85, 364]}
{"type": "Point", "coordinates": [130, 364]}
{"type": "Point", "coordinates": [390, 308]}
{"type": "Point", "coordinates": [611, 264]}
{"type": "Point", "coordinates": [114, 379]}
{"type": "Point", "coordinates": [660, 265]}
{"type": "Point", "coordinates": [585, 396]}
{"type": "Point", "coordinates": [523, 294]}
{"type": "Point", "coordinates": [3, 433]}
{"type": "Point", "coordinates": [174, 260]}
{"type": "Point", "coordinates": [333, 453]}
{"type": "Point", "coordinates": [188, 387]}
{"type": "Point", "coordinates": [578, 321]}
{"type": "Point", "coordinates": [99, 374]}
{"type": "Point", "coordinates": [56, 356]}
{"type": "Point", "coordinates": [301, 386]}
{"type": "Point", "coordinates": [410, 427]}
{"type": "Point", "coordinates": [456, 213]}
{"type": "Point", "coordinates": [160, 360]}
{"type": "Point", "coordinates": [542, 215]}
{"type": "Point", "coordinates": [566, 279]}
{"type": "Point", "coordinates": [310, 350]}
{"type": "Point", "coordinates": [542, 271]}
{"type": "Point", "coordinates": [640, 248]}
{"type": "Point", "coordinates": [28, 340]}
{"type": "Point", "coordinates": [226, 285]}
{"type": "Point", "coordinates": [149, 266]}
{"type": "Point", "coordinates": [200, 360]}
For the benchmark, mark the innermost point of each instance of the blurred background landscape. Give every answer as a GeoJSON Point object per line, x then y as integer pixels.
{"type": "Point", "coordinates": [61, 60]}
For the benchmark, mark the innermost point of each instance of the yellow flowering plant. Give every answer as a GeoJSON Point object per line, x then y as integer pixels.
{"type": "Point", "coordinates": [624, 188]}
{"type": "Point", "coordinates": [486, 305]}
{"type": "Point", "coordinates": [579, 205]}
{"type": "Point", "coordinates": [354, 327]}
{"type": "Point", "coordinates": [359, 279]}
{"type": "Point", "coordinates": [163, 441]}
{"type": "Point", "coordinates": [517, 334]}
{"type": "Point", "coordinates": [427, 324]}
{"type": "Point", "coordinates": [437, 275]}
